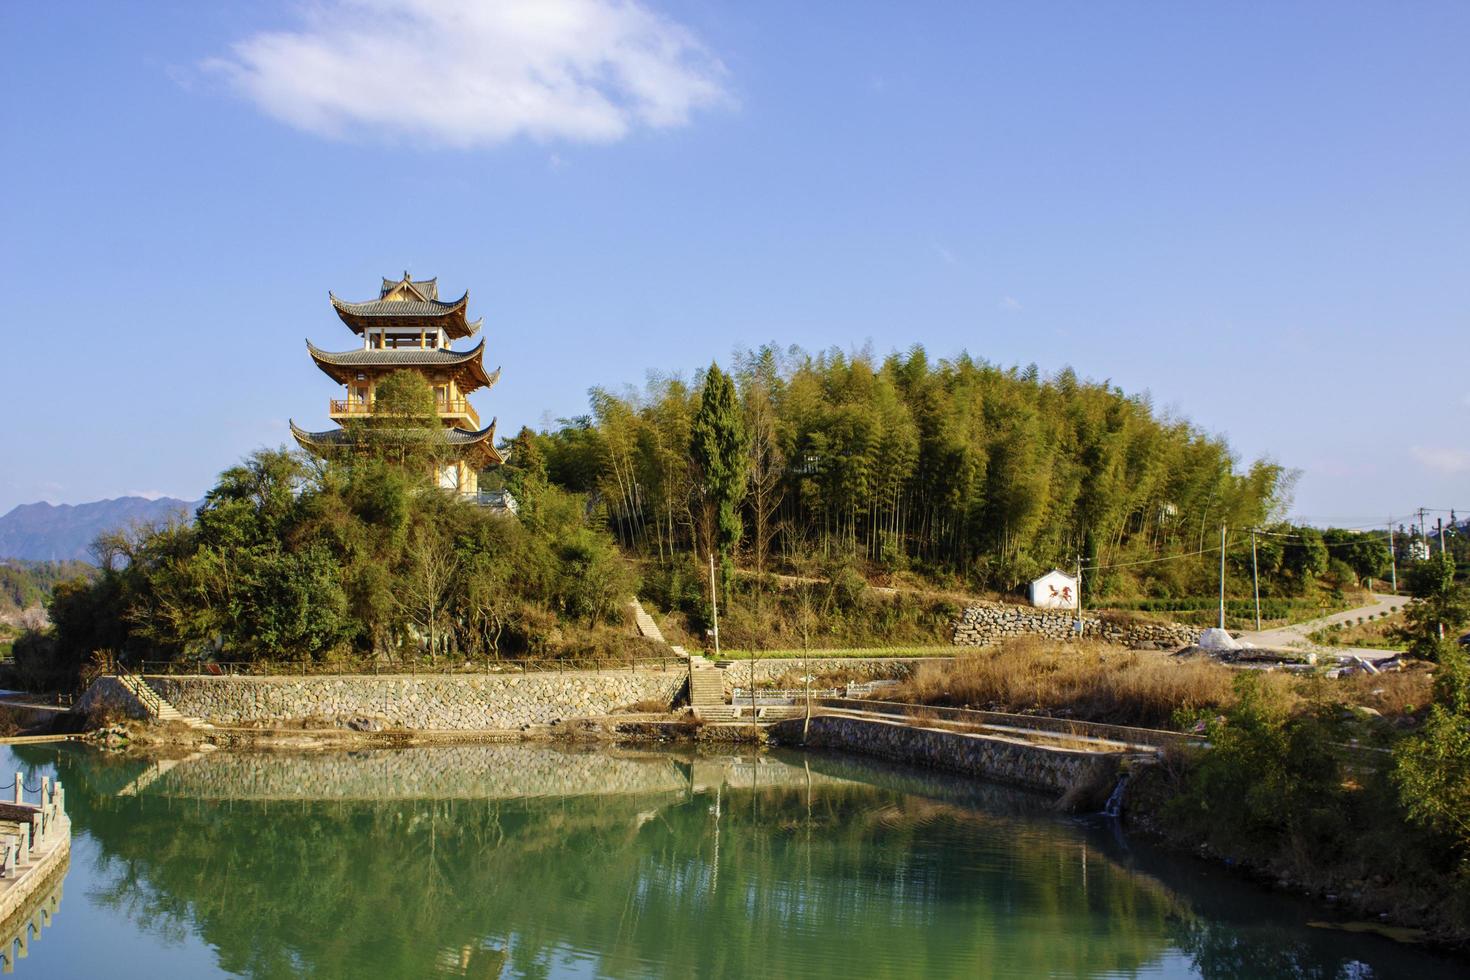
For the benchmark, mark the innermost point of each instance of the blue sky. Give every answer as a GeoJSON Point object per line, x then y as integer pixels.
{"type": "Point", "coordinates": [1259, 213]}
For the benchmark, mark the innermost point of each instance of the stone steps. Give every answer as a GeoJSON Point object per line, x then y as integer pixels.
{"type": "Point", "coordinates": [706, 688]}
{"type": "Point", "coordinates": [706, 680]}
{"type": "Point", "coordinates": [156, 705]}
{"type": "Point", "coordinates": [647, 625]}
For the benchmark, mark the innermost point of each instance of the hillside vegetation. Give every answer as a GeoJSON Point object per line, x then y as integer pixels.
{"type": "Point", "coordinates": [955, 477]}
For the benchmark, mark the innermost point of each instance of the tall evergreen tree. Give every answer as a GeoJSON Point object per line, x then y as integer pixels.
{"type": "Point", "coordinates": [718, 443]}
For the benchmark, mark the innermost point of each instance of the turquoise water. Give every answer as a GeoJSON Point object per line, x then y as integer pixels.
{"type": "Point", "coordinates": [535, 861]}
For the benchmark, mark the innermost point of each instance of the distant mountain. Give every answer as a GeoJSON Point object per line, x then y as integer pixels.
{"type": "Point", "coordinates": [57, 532]}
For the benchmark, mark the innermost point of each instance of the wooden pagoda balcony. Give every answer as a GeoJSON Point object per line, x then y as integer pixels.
{"type": "Point", "coordinates": [449, 408]}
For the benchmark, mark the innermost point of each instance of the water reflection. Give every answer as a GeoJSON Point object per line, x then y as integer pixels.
{"type": "Point", "coordinates": [26, 923]}
{"type": "Point", "coordinates": [531, 860]}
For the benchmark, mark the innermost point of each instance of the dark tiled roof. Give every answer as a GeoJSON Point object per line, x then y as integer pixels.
{"type": "Point", "coordinates": [341, 437]}
{"type": "Point", "coordinates": [399, 307]}
{"type": "Point", "coordinates": [402, 357]}
{"type": "Point", "coordinates": [479, 445]}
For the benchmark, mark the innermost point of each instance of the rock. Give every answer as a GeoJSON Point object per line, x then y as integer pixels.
{"type": "Point", "coordinates": [1215, 638]}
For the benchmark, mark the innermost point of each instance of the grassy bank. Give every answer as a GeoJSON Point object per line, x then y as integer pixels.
{"type": "Point", "coordinates": [1240, 614]}
{"type": "Point", "coordinates": [836, 653]}
{"type": "Point", "coordinates": [1097, 682]}
{"type": "Point", "coordinates": [839, 611]}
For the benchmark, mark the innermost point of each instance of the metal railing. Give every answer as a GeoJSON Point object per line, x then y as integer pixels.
{"type": "Point", "coordinates": [303, 668]}
{"type": "Point", "coordinates": [146, 696]}
{"type": "Point", "coordinates": [442, 406]}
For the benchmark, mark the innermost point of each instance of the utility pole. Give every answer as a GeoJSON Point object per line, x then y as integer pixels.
{"type": "Point", "coordinates": [1222, 576]}
{"type": "Point", "coordinates": [1255, 580]}
{"type": "Point", "coordinates": [714, 606]}
{"type": "Point", "coordinates": [1078, 624]}
{"type": "Point", "coordinates": [1423, 532]}
{"type": "Point", "coordinates": [1440, 522]}
{"type": "Point", "coordinates": [1393, 559]}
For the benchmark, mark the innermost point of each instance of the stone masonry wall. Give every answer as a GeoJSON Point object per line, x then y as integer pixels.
{"type": "Point", "coordinates": [450, 702]}
{"type": "Point", "coordinates": [108, 695]}
{"type": "Point", "coordinates": [739, 672]}
{"type": "Point", "coordinates": [1035, 766]}
{"type": "Point", "coordinates": [991, 623]}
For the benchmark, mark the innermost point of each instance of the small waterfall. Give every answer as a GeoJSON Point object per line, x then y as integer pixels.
{"type": "Point", "coordinates": [1114, 806]}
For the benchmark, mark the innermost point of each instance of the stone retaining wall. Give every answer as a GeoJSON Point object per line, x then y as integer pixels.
{"type": "Point", "coordinates": [766, 672]}
{"type": "Point", "coordinates": [452, 702]}
{"type": "Point", "coordinates": [107, 695]}
{"type": "Point", "coordinates": [991, 623]}
{"type": "Point", "coordinates": [1019, 763]}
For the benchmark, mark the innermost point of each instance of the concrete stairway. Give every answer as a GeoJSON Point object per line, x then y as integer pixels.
{"type": "Point", "coordinates": [706, 688]}
{"type": "Point", "coordinates": [155, 705]}
{"type": "Point", "coordinates": [706, 680]}
{"type": "Point", "coordinates": [647, 626]}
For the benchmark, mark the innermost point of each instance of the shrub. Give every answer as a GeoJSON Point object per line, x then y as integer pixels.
{"type": "Point", "coordinates": [1432, 768]}
{"type": "Point", "coordinates": [1269, 779]}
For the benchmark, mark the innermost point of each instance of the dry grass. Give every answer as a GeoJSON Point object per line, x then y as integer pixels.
{"type": "Point", "coordinates": [648, 706]}
{"type": "Point", "coordinates": [1086, 681]}
{"type": "Point", "coordinates": [1396, 695]}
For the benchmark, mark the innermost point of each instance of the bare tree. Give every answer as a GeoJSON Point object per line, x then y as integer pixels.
{"type": "Point", "coordinates": [426, 586]}
{"type": "Point", "coordinates": [767, 471]}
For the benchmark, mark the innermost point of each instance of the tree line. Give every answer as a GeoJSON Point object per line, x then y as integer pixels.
{"type": "Point", "coordinates": [955, 468]}
{"type": "Point", "coordinates": [353, 559]}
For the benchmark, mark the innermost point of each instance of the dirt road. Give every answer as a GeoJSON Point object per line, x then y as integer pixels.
{"type": "Point", "coordinates": [1295, 637]}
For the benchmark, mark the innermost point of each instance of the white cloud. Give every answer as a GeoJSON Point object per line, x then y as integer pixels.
{"type": "Point", "coordinates": [949, 257]}
{"type": "Point", "coordinates": [472, 73]}
{"type": "Point", "coordinates": [1442, 459]}
{"type": "Point", "coordinates": [1010, 304]}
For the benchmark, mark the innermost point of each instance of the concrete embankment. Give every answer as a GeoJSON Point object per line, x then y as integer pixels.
{"type": "Point", "coordinates": [425, 702]}
{"type": "Point", "coordinates": [1037, 763]}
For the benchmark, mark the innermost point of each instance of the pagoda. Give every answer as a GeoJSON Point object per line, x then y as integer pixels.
{"type": "Point", "coordinates": [409, 328]}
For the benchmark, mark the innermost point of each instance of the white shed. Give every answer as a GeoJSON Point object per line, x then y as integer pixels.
{"type": "Point", "coordinates": [1054, 590]}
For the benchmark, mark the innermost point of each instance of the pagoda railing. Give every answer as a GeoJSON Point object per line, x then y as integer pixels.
{"type": "Point", "coordinates": [443, 406]}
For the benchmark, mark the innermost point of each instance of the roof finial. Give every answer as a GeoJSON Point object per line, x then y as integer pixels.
{"type": "Point", "coordinates": [406, 276]}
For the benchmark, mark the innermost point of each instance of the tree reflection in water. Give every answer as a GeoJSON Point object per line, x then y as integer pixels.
{"type": "Point", "coordinates": [678, 866]}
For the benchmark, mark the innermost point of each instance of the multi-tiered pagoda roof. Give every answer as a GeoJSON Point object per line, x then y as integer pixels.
{"type": "Point", "coordinates": [408, 328]}
{"type": "Point", "coordinates": [408, 302]}
{"type": "Point", "coordinates": [467, 367]}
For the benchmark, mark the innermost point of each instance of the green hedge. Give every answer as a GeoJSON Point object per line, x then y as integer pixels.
{"type": "Point", "coordinates": [1271, 608]}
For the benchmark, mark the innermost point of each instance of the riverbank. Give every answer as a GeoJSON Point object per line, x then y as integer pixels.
{"type": "Point", "coordinates": [415, 862]}
{"type": "Point", "coordinates": [1076, 767]}
{"type": "Point", "coordinates": [1366, 888]}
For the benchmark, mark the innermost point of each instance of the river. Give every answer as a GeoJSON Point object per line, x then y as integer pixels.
{"type": "Point", "coordinates": [532, 860]}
